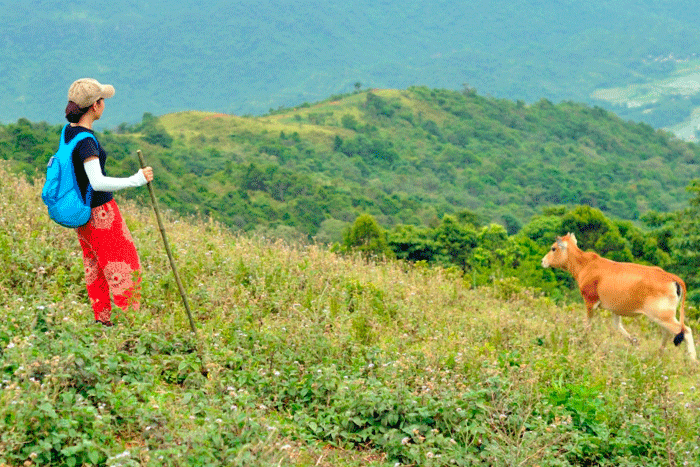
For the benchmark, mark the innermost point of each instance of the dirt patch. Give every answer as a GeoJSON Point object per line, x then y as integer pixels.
{"type": "Point", "coordinates": [209, 117]}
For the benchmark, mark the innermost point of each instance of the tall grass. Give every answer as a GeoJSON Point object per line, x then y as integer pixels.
{"type": "Point", "coordinates": [314, 359]}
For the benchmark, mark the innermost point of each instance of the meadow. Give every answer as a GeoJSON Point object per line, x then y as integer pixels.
{"type": "Point", "coordinates": [303, 357]}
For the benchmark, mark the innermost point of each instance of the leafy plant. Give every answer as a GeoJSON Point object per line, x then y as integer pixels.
{"type": "Point", "coordinates": [316, 358]}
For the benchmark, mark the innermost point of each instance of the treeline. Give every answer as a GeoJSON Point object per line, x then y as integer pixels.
{"type": "Point", "coordinates": [406, 157]}
{"type": "Point", "coordinates": [486, 253]}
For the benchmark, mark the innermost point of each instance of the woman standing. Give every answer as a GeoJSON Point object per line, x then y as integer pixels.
{"type": "Point", "coordinates": [109, 254]}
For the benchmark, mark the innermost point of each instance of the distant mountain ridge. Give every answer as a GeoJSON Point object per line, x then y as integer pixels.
{"type": "Point", "coordinates": [251, 56]}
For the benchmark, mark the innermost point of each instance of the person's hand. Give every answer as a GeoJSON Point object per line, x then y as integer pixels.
{"type": "Point", "coordinates": [148, 173]}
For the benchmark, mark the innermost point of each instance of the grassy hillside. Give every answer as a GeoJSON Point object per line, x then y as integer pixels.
{"type": "Point", "coordinates": [314, 359]}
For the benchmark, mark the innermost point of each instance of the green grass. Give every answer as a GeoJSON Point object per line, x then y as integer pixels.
{"type": "Point", "coordinates": [314, 359]}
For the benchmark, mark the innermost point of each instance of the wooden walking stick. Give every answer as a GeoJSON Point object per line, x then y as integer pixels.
{"type": "Point", "coordinates": [167, 248]}
{"type": "Point", "coordinates": [204, 370]}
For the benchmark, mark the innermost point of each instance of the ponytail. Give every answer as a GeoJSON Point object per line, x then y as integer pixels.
{"type": "Point", "coordinates": [75, 113]}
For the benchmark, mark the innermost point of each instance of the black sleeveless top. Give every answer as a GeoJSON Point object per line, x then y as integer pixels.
{"type": "Point", "coordinates": [85, 149]}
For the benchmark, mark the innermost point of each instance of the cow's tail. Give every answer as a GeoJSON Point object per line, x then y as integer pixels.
{"type": "Point", "coordinates": [680, 290]}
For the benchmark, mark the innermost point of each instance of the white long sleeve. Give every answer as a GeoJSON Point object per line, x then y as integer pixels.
{"type": "Point", "coordinates": [101, 183]}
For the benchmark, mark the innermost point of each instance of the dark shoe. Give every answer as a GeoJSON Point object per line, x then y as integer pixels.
{"type": "Point", "coordinates": [107, 323]}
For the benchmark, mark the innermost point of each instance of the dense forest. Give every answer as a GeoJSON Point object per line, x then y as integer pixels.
{"type": "Point", "coordinates": [248, 57]}
{"type": "Point", "coordinates": [433, 176]}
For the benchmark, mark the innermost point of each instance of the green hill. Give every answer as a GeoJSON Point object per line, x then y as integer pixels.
{"type": "Point", "coordinates": [404, 156]}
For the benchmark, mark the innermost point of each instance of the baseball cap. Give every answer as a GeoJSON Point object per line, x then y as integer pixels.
{"type": "Point", "coordinates": [86, 91]}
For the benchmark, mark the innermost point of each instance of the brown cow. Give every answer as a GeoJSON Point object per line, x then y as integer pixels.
{"type": "Point", "coordinates": [625, 289]}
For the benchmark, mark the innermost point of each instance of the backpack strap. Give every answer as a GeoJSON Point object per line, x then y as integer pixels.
{"type": "Point", "coordinates": [62, 141]}
{"type": "Point", "coordinates": [78, 138]}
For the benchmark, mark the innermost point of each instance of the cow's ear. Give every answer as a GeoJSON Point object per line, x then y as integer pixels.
{"type": "Point", "coordinates": [573, 238]}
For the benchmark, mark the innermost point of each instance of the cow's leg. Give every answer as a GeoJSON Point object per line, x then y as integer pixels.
{"type": "Point", "coordinates": [617, 324]}
{"type": "Point", "coordinates": [590, 307]}
{"type": "Point", "coordinates": [671, 325]}
{"type": "Point", "coordinates": [688, 338]}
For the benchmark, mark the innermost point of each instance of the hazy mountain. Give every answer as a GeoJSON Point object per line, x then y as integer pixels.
{"type": "Point", "coordinates": [249, 56]}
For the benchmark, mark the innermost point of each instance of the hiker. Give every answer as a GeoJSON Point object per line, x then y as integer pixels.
{"type": "Point", "coordinates": [109, 254]}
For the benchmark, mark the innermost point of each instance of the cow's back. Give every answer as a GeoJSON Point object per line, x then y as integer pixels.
{"type": "Point", "coordinates": [627, 288]}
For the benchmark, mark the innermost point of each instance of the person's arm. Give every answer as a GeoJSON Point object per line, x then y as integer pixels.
{"type": "Point", "coordinates": [100, 182]}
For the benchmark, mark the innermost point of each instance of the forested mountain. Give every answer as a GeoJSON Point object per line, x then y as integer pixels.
{"type": "Point", "coordinates": [403, 156]}
{"type": "Point", "coordinates": [250, 56]}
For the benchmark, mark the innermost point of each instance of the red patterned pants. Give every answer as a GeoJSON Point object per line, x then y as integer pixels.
{"type": "Point", "coordinates": [111, 262]}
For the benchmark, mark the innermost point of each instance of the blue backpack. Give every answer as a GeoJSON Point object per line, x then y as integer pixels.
{"type": "Point", "coordinates": [61, 192]}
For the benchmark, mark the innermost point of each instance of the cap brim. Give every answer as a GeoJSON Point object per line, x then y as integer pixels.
{"type": "Point", "coordinates": [107, 91]}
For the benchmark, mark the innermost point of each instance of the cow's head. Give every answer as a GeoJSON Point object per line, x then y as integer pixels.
{"type": "Point", "coordinates": [559, 253]}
